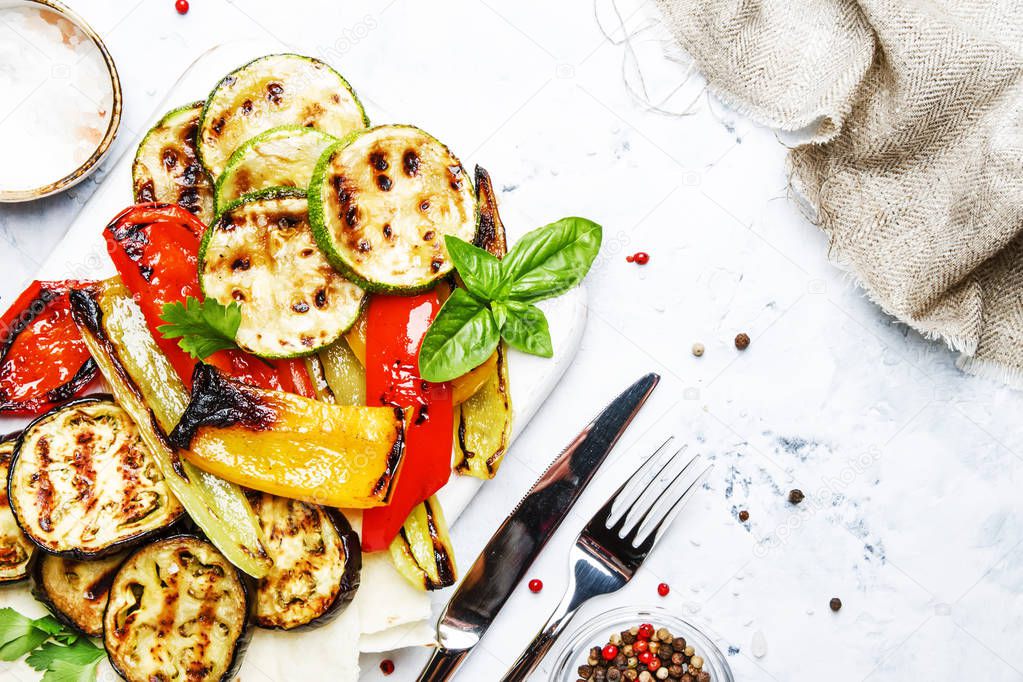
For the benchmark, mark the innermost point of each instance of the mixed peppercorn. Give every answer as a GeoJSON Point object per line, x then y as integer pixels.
{"type": "Point", "coordinates": [642, 654]}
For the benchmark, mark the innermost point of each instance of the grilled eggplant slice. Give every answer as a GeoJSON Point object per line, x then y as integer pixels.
{"type": "Point", "coordinates": [76, 591]}
{"type": "Point", "coordinates": [178, 610]}
{"type": "Point", "coordinates": [280, 157]}
{"type": "Point", "coordinates": [149, 389]}
{"type": "Point", "coordinates": [317, 561]}
{"type": "Point", "coordinates": [272, 91]}
{"type": "Point", "coordinates": [166, 166]}
{"type": "Point", "coordinates": [381, 202]}
{"type": "Point", "coordinates": [422, 549]}
{"type": "Point", "coordinates": [281, 443]}
{"type": "Point", "coordinates": [16, 552]}
{"type": "Point", "coordinates": [83, 484]}
{"type": "Point", "coordinates": [260, 252]}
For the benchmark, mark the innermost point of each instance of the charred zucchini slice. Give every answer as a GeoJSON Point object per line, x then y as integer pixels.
{"type": "Point", "coordinates": [83, 484]}
{"type": "Point", "coordinates": [260, 252]}
{"type": "Point", "coordinates": [381, 203]}
{"type": "Point", "coordinates": [280, 157]}
{"type": "Point", "coordinates": [166, 166]}
{"type": "Point", "coordinates": [272, 91]}
{"type": "Point", "coordinates": [16, 552]}
{"type": "Point", "coordinates": [317, 561]}
{"type": "Point", "coordinates": [178, 610]}
{"type": "Point", "coordinates": [281, 443]}
{"type": "Point", "coordinates": [76, 591]}
{"type": "Point", "coordinates": [422, 549]}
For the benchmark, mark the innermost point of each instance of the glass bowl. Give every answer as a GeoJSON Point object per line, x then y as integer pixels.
{"type": "Point", "coordinates": [595, 632]}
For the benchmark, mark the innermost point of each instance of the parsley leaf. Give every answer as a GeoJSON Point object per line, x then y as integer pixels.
{"type": "Point", "coordinates": [66, 657]}
{"type": "Point", "coordinates": [201, 327]}
{"type": "Point", "coordinates": [80, 653]}
{"type": "Point", "coordinates": [62, 671]}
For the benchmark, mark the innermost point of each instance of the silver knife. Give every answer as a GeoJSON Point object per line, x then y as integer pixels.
{"type": "Point", "coordinates": [512, 549]}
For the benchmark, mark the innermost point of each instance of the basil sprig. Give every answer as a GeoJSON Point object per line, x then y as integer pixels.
{"type": "Point", "coordinates": [499, 296]}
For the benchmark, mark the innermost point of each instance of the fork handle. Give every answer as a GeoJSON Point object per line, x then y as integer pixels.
{"type": "Point", "coordinates": [544, 640]}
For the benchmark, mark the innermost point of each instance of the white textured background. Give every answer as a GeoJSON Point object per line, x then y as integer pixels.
{"type": "Point", "coordinates": [912, 471]}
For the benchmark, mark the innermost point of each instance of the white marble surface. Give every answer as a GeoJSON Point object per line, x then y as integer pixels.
{"type": "Point", "coordinates": [911, 470]}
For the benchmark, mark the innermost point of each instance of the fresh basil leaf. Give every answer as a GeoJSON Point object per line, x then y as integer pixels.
{"type": "Point", "coordinates": [500, 310]}
{"type": "Point", "coordinates": [461, 337]}
{"type": "Point", "coordinates": [550, 260]}
{"type": "Point", "coordinates": [479, 270]}
{"type": "Point", "coordinates": [526, 329]}
{"type": "Point", "coordinates": [15, 649]}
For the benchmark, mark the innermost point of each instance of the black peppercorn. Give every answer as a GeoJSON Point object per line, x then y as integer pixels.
{"type": "Point", "coordinates": [835, 603]}
{"type": "Point", "coordinates": [744, 516]}
{"type": "Point", "coordinates": [742, 341]}
{"type": "Point", "coordinates": [796, 496]}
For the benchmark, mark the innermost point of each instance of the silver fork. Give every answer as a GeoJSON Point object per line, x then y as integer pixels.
{"type": "Point", "coordinates": [612, 546]}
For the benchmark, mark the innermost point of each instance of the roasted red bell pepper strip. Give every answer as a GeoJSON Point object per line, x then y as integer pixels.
{"type": "Point", "coordinates": [395, 326]}
{"type": "Point", "coordinates": [43, 359]}
{"type": "Point", "coordinates": [155, 248]}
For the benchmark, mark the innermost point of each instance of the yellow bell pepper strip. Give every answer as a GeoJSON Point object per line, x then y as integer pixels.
{"type": "Point", "coordinates": [146, 385]}
{"type": "Point", "coordinates": [287, 445]}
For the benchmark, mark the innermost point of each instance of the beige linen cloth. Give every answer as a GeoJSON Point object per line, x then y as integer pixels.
{"type": "Point", "coordinates": [914, 112]}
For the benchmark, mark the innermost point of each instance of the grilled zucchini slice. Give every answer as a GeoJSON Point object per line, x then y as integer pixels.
{"type": "Point", "coordinates": [381, 203]}
{"type": "Point", "coordinates": [16, 552]}
{"type": "Point", "coordinates": [280, 157]}
{"type": "Point", "coordinates": [166, 166]}
{"type": "Point", "coordinates": [84, 485]}
{"type": "Point", "coordinates": [422, 550]}
{"type": "Point", "coordinates": [260, 252]}
{"type": "Point", "coordinates": [178, 610]}
{"type": "Point", "coordinates": [317, 562]}
{"type": "Point", "coordinates": [272, 91]}
{"type": "Point", "coordinates": [281, 443]}
{"type": "Point", "coordinates": [76, 591]}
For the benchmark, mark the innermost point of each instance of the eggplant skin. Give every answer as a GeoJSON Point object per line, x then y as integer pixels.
{"type": "Point", "coordinates": [76, 592]}
{"type": "Point", "coordinates": [317, 564]}
{"type": "Point", "coordinates": [83, 485]}
{"type": "Point", "coordinates": [17, 553]}
{"type": "Point", "coordinates": [178, 610]}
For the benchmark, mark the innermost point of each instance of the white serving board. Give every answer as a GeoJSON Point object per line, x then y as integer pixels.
{"type": "Point", "coordinates": [388, 613]}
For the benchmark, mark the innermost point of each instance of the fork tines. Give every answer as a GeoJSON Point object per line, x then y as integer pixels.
{"type": "Point", "coordinates": [630, 513]}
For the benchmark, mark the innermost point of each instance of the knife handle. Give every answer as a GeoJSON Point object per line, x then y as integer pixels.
{"type": "Point", "coordinates": [442, 665]}
{"type": "Point", "coordinates": [544, 640]}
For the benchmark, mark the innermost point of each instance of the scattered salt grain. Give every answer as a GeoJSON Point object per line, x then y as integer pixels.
{"type": "Point", "coordinates": [759, 644]}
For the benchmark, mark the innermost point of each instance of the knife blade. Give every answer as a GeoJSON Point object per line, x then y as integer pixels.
{"type": "Point", "coordinates": [513, 547]}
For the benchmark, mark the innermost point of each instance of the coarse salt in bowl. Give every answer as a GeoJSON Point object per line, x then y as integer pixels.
{"type": "Point", "coordinates": [62, 99]}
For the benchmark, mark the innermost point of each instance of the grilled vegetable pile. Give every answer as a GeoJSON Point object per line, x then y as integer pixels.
{"type": "Point", "coordinates": [310, 316]}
